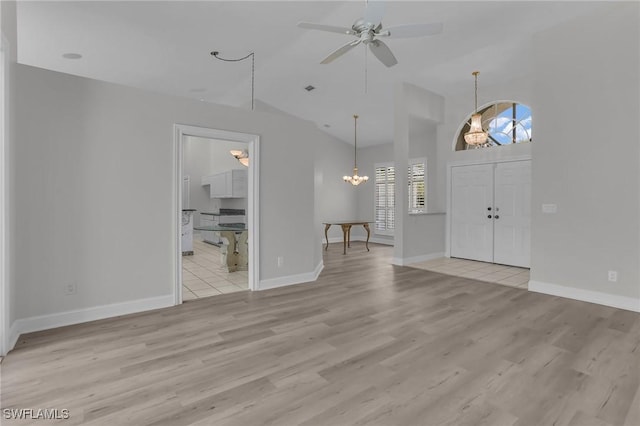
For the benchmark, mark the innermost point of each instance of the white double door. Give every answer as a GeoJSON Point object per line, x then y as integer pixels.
{"type": "Point", "coordinates": [491, 212]}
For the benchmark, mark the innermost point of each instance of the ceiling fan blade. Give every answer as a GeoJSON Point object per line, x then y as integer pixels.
{"type": "Point", "coordinates": [383, 53]}
{"type": "Point", "coordinates": [374, 11]}
{"type": "Point", "coordinates": [330, 28]}
{"type": "Point", "coordinates": [340, 51]}
{"type": "Point", "coordinates": [414, 30]}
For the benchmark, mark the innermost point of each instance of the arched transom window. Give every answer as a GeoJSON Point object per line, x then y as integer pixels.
{"type": "Point", "coordinates": [506, 123]}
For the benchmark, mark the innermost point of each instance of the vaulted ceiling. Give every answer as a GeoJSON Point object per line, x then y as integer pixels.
{"type": "Point", "coordinates": [165, 47]}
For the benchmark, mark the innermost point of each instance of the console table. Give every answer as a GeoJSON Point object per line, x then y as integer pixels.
{"type": "Point", "coordinates": [346, 232]}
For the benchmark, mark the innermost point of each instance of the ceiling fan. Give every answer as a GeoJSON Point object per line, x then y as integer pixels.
{"type": "Point", "coordinates": [368, 30]}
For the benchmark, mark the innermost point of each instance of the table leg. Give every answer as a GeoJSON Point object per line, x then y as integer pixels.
{"type": "Point", "coordinates": [366, 226]}
{"type": "Point", "coordinates": [326, 229]}
{"type": "Point", "coordinates": [231, 250]}
{"type": "Point", "coordinates": [345, 232]}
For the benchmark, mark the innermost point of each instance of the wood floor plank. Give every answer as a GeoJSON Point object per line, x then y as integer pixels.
{"type": "Point", "coordinates": [368, 343]}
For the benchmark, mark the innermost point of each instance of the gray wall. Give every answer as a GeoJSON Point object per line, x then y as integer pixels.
{"type": "Point", "coordinates": [586, 153]}
{"type": "Point", "coordinates": [92, 158]}
{"type": "Point", "coordinates": [334, 198]}
{"type": "Point", "coordinates": [417, 112]}
{"type": "Point", "coordinates": [8, 29]}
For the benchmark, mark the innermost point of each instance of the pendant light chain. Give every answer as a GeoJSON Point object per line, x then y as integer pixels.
{"type": "Point", "coordinates": [355, 142]}
{"type": "Point", "coordinates": [475, 74]}
{"type": "Point", "coordinates": [216, 54]}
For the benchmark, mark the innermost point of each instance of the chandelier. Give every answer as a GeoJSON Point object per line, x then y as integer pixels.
{"type": "Point", "coordinates": [355, 179]}
{"type": "Point", "coordinates": [476, 136]}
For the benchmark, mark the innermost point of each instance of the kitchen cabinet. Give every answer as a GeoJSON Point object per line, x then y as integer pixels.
{"type": "Point", "coordinates": [187, 232]}
{"type": "Point", "coordinates": [229, 184]}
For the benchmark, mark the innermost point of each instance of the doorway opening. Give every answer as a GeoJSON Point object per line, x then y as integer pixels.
{"type": "Point", "coordinates": [216, 210]}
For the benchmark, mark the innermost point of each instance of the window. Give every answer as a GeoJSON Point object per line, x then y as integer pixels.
{"type": "Point", "coordinates": [417, 189]}
{"type": "Point", "coordinates": [507, 123]}
{"type": "Point", "coordinates": [385, 199]}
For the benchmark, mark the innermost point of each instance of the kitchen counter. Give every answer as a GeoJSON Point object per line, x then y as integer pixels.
{"type": "Point", "coordinates": [226, 212]}
{"type": "Point", "coordinates": [219, 228]}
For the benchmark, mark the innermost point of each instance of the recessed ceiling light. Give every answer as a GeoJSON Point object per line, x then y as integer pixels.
{"type": "Point", "coordinates": [71, 55]}
{"type": "Point", "coordinates": [309, 88]}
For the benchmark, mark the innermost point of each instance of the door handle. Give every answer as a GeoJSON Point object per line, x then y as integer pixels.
{"type": "Point", "coordinates": [489, 216]}
{"type": "Point", "coordinates": [489, 208]}
{"type": "Point", "coordinates": [497, 217]}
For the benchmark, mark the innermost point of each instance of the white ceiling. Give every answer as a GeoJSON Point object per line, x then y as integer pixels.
{"type": "Point", "coordinates": [165, 47]}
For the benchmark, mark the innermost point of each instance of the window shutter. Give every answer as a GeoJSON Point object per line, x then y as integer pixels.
{"type": "Point", "coordinates": [385, 199]}
{"type": "Point", "coordinates": [417, 188]}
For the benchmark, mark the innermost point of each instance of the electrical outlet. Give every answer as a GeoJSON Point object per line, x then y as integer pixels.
{"type": "Point", "coordinates": [613, 276]}
{"type": "Point", "coordinates": [280, 261]}
{"type": "Point", "coordinates": [70, 288]}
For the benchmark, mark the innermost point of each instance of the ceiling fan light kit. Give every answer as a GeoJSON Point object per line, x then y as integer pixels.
{"type": "Point", "coordinates": [476, 136]}
{"type": "Point", "coordinates": [356, 179]}
{"type": "Point", "coordinates": [368, 31]}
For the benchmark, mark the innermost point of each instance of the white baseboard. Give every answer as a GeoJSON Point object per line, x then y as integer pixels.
{"type": "Point", "coordinates": [621, 302]}
{"type": "Point", "coordinates": [415, 259]}
{"type": "Point", "coordinates": [45, 322]}
{"type": "Point", "coordinates": [14, 335]}
{"type": "Point", "coordinates": [291, 279]}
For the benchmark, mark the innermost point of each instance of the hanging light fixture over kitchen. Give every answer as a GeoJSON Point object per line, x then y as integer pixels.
{"type": "Point", "coordinates": [355, 179]}
{"type": "Point", "coordinates": [241, 155]}
{"type": "Point", "coordinates": [476, 136]}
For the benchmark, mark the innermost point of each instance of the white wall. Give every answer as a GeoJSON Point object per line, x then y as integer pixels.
{"type": "Point", "coordinates": [91, 158]}
{"type": "Point", "coordinates": [586, 158]}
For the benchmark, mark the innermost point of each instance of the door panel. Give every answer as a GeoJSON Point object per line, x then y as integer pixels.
{"type": "Point", "coordinates": [512, 225]}
{"type": "Point", "coordinates": [471, 196]}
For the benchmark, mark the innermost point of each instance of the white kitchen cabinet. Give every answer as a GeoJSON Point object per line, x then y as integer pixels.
{"type": "Point", "coordinates": [229, 184]}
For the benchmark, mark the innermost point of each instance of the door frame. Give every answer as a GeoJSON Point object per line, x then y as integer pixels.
{"type": "Point", "coordinates": [471, 162]}
{"type": "Point", "coordinates": [253, 199]}
{"type": "Point", "coordinates": [4, 198]}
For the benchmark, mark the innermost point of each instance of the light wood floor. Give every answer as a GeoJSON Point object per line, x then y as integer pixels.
{"type": "Point", "coordinates": [367, 344]}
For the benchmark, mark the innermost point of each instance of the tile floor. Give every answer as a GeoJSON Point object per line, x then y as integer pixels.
{"type": "Point", "coordinates": [203, 274]}
{"type": "Point", "coordinates": [500, 274]}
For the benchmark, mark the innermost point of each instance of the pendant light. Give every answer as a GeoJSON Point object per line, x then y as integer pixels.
{"type": "Point", "coordinates": [476, 136]}
{"type": "Point", "coordinates": [241, 155]}
{"type": "Point", "coordinates": [355, 179]}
